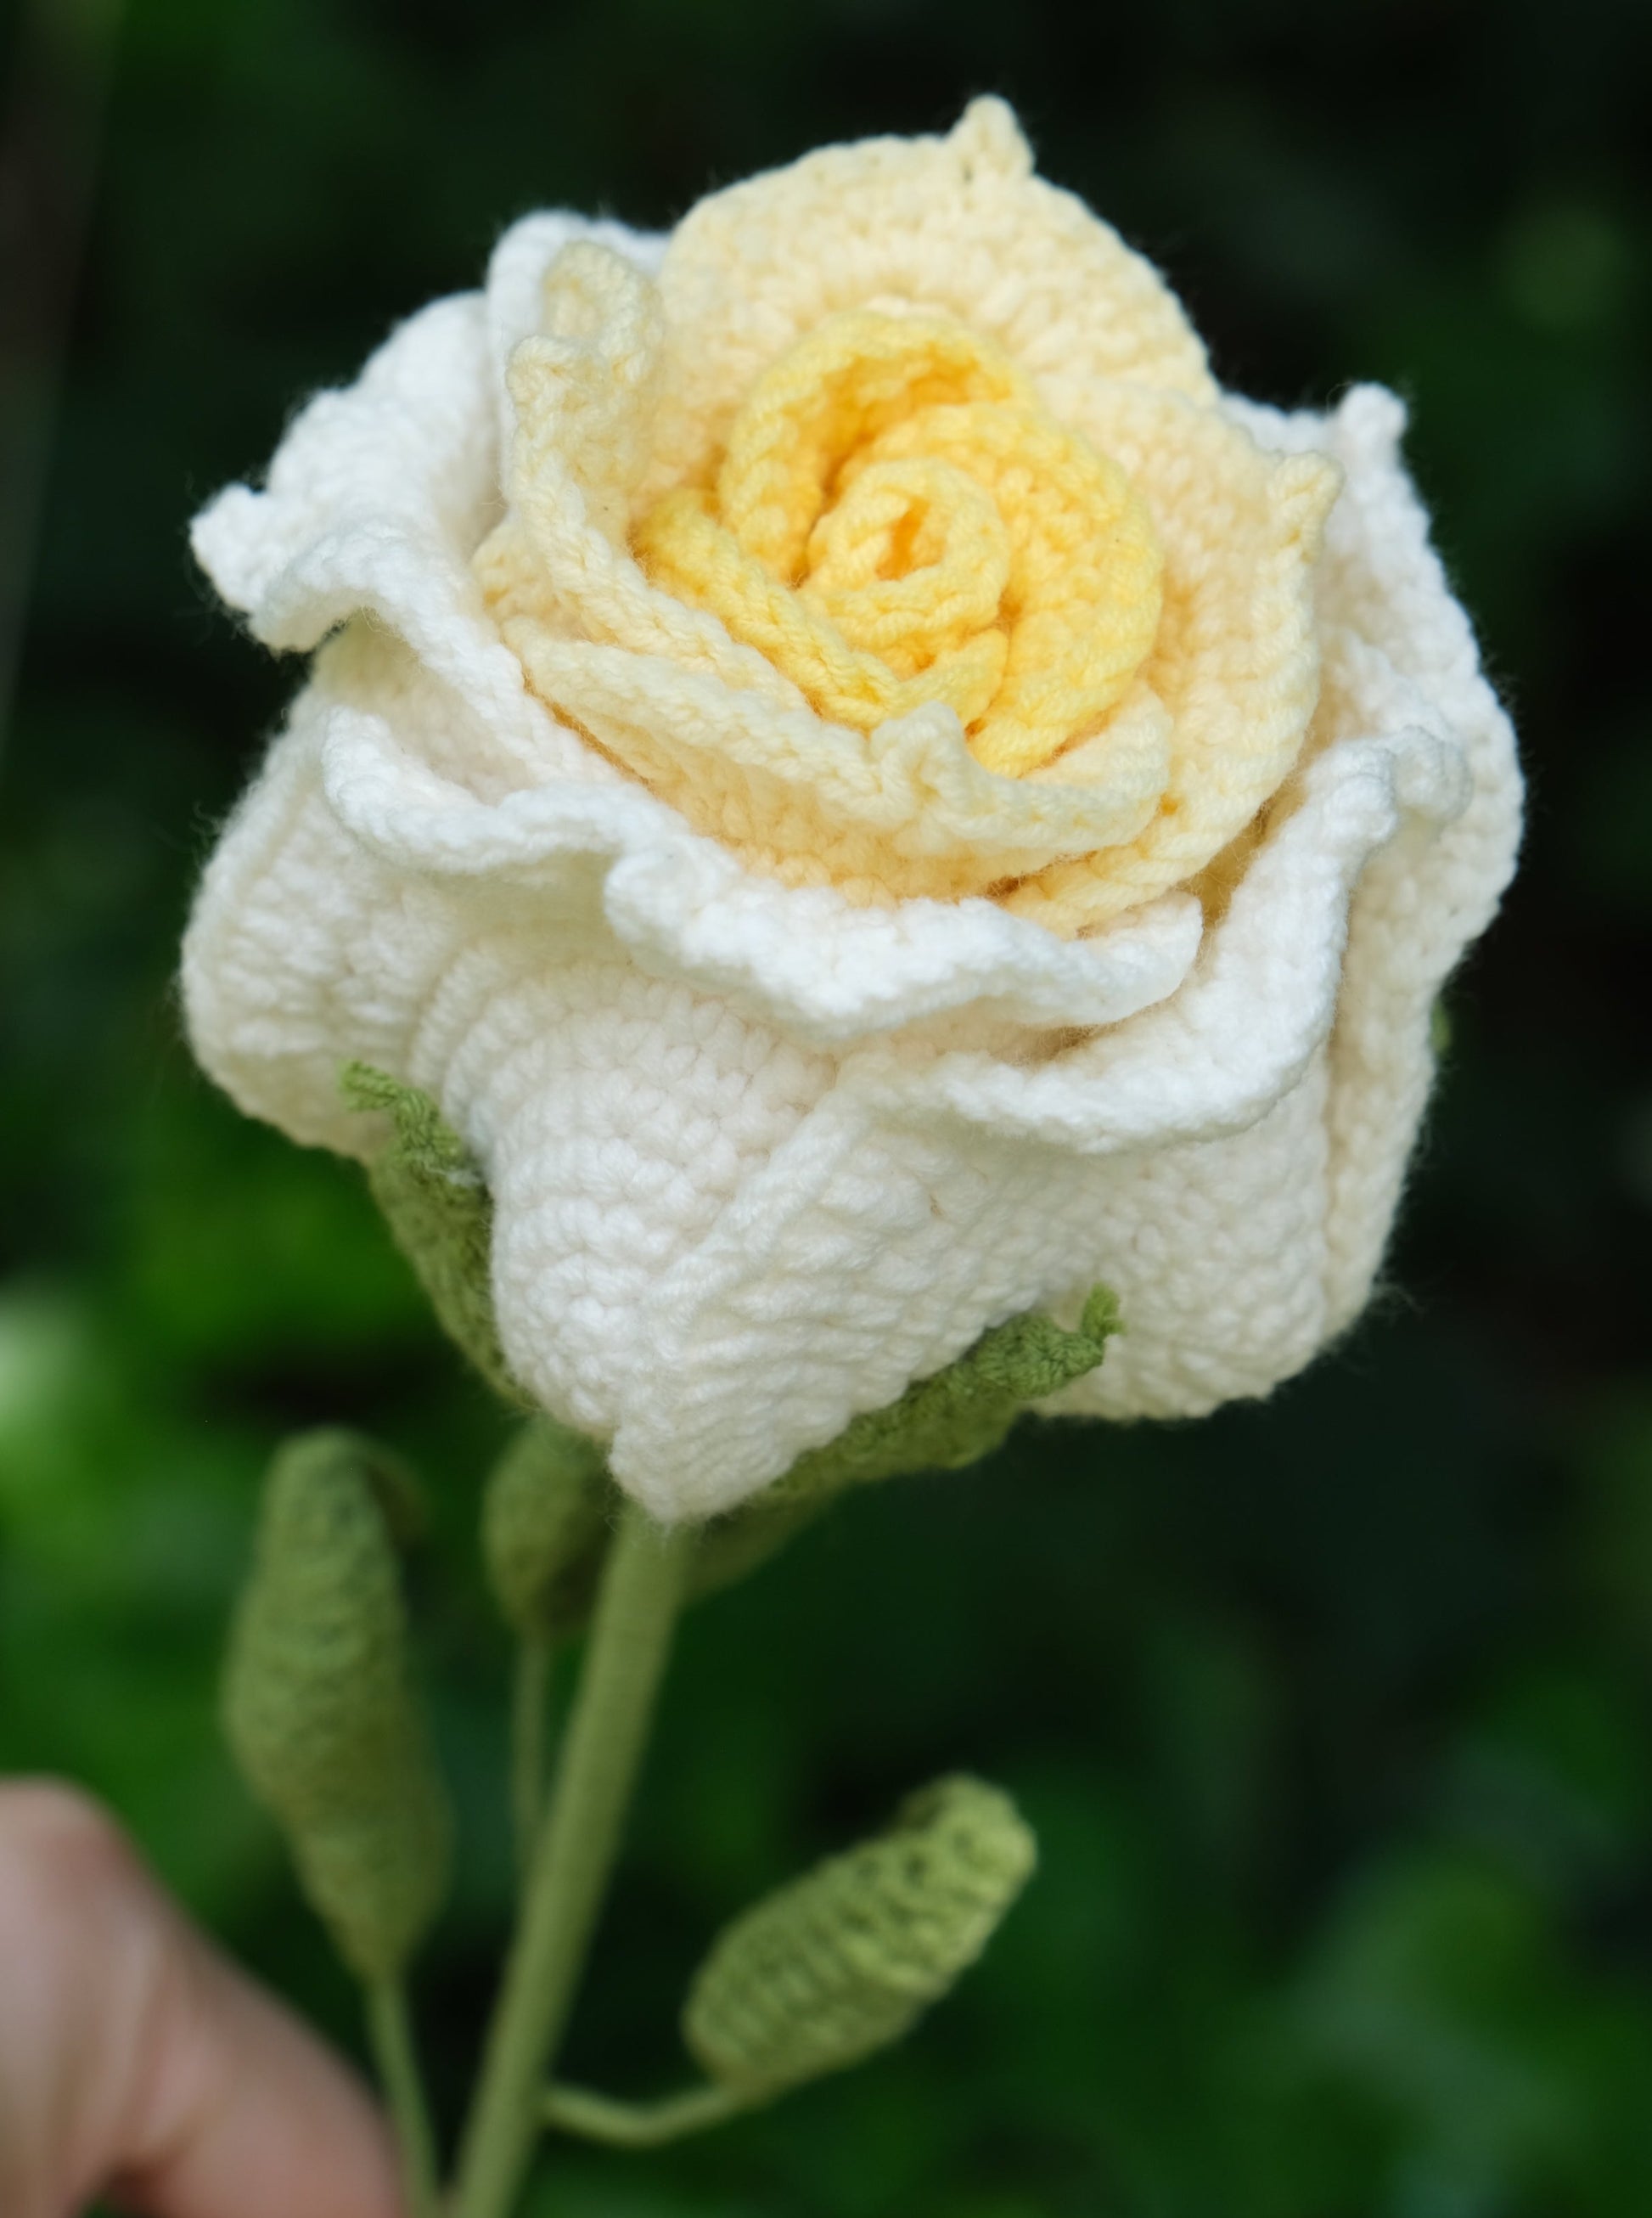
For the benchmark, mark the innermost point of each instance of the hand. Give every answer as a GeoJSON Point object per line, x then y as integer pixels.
{"type": "Point", "coordinates": [136, 2063]}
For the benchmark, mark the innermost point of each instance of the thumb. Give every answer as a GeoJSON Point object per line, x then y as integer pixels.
{"type": "Point", "coordinates": [136, 2061]}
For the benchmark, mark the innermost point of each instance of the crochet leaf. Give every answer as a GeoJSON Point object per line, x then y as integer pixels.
{"type": "Point", "coordinates": [437, 1206]}
{"type": "Point", "coordinates": [546, 1519]}
{"type": "Point", "coordinates": [843, 1961]}
{"type": "Point", "coordinates": [960, 1414]}
{"type": "Point", "coordinates": [319, 1706]}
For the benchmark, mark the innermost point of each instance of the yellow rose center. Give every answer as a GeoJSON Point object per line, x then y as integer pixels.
{"type": "Point", "coordinates": [896, 520]}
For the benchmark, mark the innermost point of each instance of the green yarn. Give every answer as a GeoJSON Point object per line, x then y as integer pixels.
{"type": "Point", "coordinates": [547, 1515]}
{"type": "Point", "coordinates": [959, 1414]}
{"type": "Point", "coordinates": [318, 1704]}
{"type": "Point", "coordinates": [940, 1423]}
{"type": "Point", "coordinates": [437, 1206]}
{"type": "Point", "coordinates": [551, 1504]}
{"type": "Point", "coordinates": [842, 1962]}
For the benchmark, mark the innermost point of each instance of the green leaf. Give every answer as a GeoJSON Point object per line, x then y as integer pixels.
{"type": "Point", "coordinates": [438, 1208]}
{"type": "Point", "coordinates": [843, 1961]}
{"type": "Point", "coordinates": [319, 1705]}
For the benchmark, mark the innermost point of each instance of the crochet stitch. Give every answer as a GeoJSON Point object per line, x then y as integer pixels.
{"type": "Point", "coordinates": [841, 1962]}
{"type": "Point", "coordinates": [798, 1048]}
{"type": "Point", "coordinates": [436, 1205]}
{"type": "Point", "coordinates": [318, 1707]}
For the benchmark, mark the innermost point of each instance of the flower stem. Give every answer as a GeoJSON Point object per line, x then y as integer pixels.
{"type": "Point", "coordinates": [637, 2125]}
{"type": "Point", "coordinates": [529, 1709]}
{"type": "Point", "coordinates": [398, 2075]}
{"type": "Point", "coordinates": [572, 1856]}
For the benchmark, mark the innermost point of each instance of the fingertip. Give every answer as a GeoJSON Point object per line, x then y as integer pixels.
{"type": "Point", "coordinates": [136, 2060]}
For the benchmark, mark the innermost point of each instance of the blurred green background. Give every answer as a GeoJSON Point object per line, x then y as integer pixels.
{"type": "Point", "coordinates": [1334, 1716]}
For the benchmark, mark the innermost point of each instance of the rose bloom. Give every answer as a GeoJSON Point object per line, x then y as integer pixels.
{"type": "Point", "coordinates": [872, 793]}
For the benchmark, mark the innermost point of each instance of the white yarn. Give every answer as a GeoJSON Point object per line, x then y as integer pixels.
{"type": "Point", "coordinates": [760, 1155]}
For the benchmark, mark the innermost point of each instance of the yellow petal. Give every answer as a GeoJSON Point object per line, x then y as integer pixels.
{"type": "Point", "coordinates": [958, 227]}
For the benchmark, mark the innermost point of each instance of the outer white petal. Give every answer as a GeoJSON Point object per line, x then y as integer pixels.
{"type": "Point", "coordinates": [628, 1030]}
{"type": "Point", "coordinates": [1227, 1161]}
{"type": "Point", "coordinates": [806, 961]}
{"type": "Point", "coordinates": [376, 499]}
{"type": "Point", "coordinates": [1180, 1156]}
{"type": "Point", "coordinates": [1423, 897]}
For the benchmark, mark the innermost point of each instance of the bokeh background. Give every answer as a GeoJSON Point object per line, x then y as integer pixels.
{"type": "Point", "coordinates": [1334, 1716]}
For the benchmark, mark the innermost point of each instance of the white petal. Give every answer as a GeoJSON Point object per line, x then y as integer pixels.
{"type": "Point", "coordinates": [931, 1195]}
{"type": "Point", "coordinates": [1424, 899]}
{"type": "Point", "coordinates": [376, 501]}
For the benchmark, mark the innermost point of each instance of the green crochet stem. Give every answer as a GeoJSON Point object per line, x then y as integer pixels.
{"type": "Point", "coordinates": [596, 2117]}
{"type": "Point", "coordinates": [530, 1728]}
{"type": "Point", "coordinates": [574, 1855]}
{"type": "Point", "coordinates": [393, 2053]}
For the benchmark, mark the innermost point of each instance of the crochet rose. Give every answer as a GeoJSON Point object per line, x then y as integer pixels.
{"type": "Point", "coordinates": [874, 796]}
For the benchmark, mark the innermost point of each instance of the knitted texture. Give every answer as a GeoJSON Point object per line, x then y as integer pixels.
{"type": "Point", "coordinates": [940, 1423]}
{"type": "Point", "coordinates": [549, 1510]}
{"type": "Point", "coordinates": [841, 1962]}
{"type": "Point", "coordinates": [437, 1206]}
{"type": "Point", "coordinates": [962, 1413]}
{"type": "Point", "coordinates": [959, 545]}
{"type": "Point", "coordinates": [318, 1707]}
{"type": "Point", "coordinates": [732, 785]}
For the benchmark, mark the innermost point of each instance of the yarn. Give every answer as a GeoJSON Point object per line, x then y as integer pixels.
{"type": "Point", "coordinates": [962, 1412]}
{"type": "Point", "coordinates": [318, 1707]}
{"type": "Point", "coordinates": [437, 1207]}
{"type": "Point", "coordinates": [954, 543]}
{"type": "Point", "coordinates": [795, 1056]}
{"type": "Point", "coordinates": [842, 1962]}
{"type": "Point", "coordinates": [550, 1505]}
{"type": "Point", "coordinates": [896, 535]}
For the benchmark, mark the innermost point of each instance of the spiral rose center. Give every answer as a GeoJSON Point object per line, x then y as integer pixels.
{"type": "Point", "coordinates": [897, 520]}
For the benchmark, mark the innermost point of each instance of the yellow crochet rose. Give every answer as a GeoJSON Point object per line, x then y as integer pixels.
{"type": "Point", "coordinates": [894, 535]}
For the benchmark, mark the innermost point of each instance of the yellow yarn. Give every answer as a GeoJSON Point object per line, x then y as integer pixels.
{"type": "Point", "coordinates": [892, 537]}
{"type": "Point", "coordinates": [897, 521]}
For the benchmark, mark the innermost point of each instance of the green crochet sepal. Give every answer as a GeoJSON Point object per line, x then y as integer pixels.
{"type": "Point", "coordinates": [548, 1514]}
{"type": "Point", "coordinates": [961, 1414]}
{"type": "Point", "coordinates": [439, 1212]}
{"type": "Point", "coordinates": [551, 1505]}
{"type": "Point", "coordinates": [318, 1704]}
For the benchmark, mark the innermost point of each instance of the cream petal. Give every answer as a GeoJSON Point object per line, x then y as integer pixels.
{"type": "Point", "coordinates": [1236, 666]}
{"type": "Point", "coordinates": [876, 807]}
{"type": "Point", "coordinates": [515, 290]}
{"type": "Point", "coordinates": [573, 861]}
{"type": "Point", "coordinates": [376, 502]}
{"type": "Point", "coordinates": [959, 225]}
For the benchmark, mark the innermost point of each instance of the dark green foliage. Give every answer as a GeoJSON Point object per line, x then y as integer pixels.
{"type": "Point", "coordinates": [319, 1705]}
{"type": "Point", "coordinates": [1333, 1717]}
